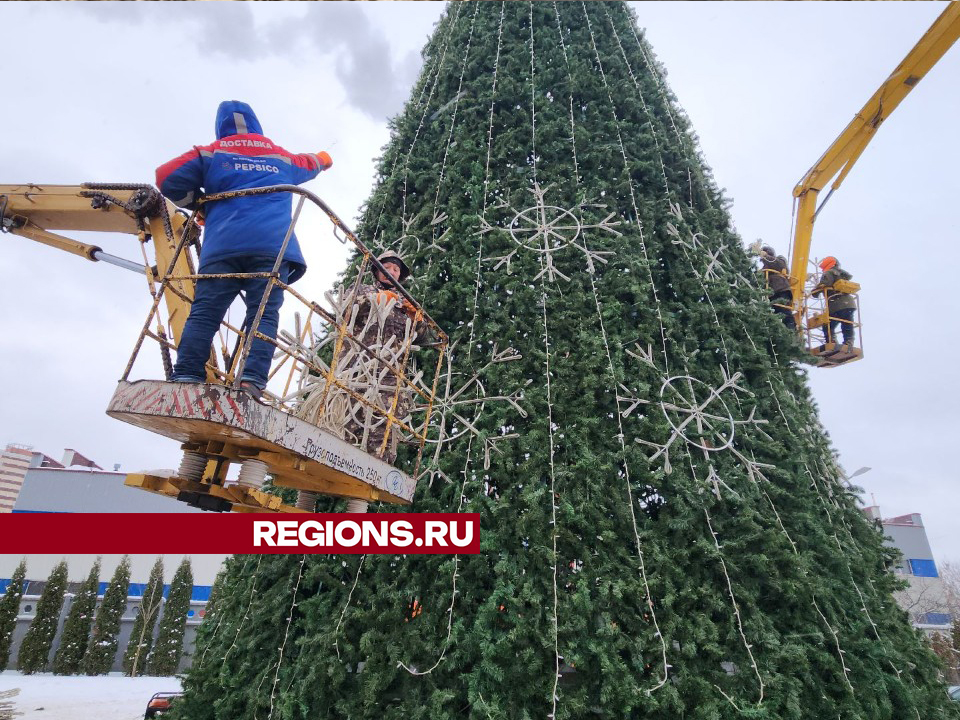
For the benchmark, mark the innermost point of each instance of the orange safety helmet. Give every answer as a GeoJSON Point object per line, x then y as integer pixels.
{"type": "Point", "coordinates": [828, 262]}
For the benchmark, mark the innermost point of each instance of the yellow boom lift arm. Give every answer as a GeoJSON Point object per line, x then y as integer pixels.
{"type": "Point", "coordinates": [835, 164]}
{"type": "Point", "coordinates": [32, 211]}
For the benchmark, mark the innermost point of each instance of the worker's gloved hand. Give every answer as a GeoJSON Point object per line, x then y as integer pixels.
{"type": "Point", "coordinates": [326, 162]}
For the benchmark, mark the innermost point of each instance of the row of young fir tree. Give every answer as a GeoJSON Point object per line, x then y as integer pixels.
{"type": "Point", "coordinates": [90, 637]}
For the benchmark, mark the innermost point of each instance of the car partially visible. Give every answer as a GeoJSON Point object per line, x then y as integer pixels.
{"type": "Point", "coordinates": [159, 704]}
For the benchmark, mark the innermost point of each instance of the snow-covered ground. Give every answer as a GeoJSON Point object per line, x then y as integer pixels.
{"type": "Point", "coordinates": [109, 697]}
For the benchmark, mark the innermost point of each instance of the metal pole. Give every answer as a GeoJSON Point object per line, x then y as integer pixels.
{"type": "Point", "coordinates": [119, 262]}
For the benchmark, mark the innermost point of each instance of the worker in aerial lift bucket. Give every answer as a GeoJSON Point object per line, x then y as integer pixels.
{"type": "Point", "coordinates": [841, 306]}
{"type": "Point", "coordinates": [383, 329]}
{"type": "Point", "coordinates": [778, 283]}
{"type": "Point", "coordinates": [242, 235]}
{"type": "Point", "coordinates": [386, 323]}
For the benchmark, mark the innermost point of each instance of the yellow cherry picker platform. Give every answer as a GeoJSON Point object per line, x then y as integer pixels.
{"type": "Point", "coordinates": [810, 309]}
{"type": "Point", "coordinates": [216, 422]}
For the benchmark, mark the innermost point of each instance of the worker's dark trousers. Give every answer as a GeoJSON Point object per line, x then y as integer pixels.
{"type": "Point", "coordinates": [784, 298]}
{"type": "Point", "coordinates": [213, 298]}
{"type": "Point", "coordinates": [843, 318]}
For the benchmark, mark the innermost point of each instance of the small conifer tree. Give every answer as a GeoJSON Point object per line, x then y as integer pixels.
{"type": "Point", "coordinates": [141, 638]}
{"type": "Point", "coordinates": [953, 658]}
{"type": "Point", "coordinates": [169, 646]}
{"type": "Point", "coordinates": [102, 648]}
{"type": "Point", "coordinates": [216, 590]}
{"type": "Point", "coordinates": [35, 648]}
{"type": "Point", "coordinates": [9, 608]}
{"type": "Point", "coordinates": [76, 630]}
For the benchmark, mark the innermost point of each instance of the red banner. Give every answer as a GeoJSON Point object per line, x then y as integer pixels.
{"type": "Point", "coordinates": [237, 533]}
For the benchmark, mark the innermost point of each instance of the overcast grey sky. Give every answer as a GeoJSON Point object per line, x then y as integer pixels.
{"type": "Point", "coordinates": [107, 91]}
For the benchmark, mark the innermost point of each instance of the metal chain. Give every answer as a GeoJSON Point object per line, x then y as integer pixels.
{"type": "Point", "coordinates": [129, 206]}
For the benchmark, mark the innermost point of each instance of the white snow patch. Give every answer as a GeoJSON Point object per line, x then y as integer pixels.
{"type": "Point", "coordinates": [106, 697]}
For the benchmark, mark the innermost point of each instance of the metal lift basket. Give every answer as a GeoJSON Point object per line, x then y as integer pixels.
{"type": "Point", "coordinates": [218, 423]}
{"type": "Point", "coordinates": [335, 399]}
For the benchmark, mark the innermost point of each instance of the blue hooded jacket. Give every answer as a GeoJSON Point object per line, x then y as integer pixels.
{"type": "Point", "coordinates": [240, 158]}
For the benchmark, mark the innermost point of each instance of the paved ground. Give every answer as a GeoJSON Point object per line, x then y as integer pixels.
{"type": "Point", "coordinates": [110, 697]}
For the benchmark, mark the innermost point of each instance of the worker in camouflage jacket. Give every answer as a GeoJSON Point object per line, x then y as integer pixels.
{"type": "Point", "coordinates": [387, 328]}
{"type": "Point", "coordinates": [774, 269]}
{"type": "Point", "coordinates": [841, 306]}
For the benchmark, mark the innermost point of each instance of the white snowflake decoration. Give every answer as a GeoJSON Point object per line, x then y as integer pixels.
{"type": "Point", "coordinates": [699, 416]}
{"type": "Point", "coordinates": [693, 242]}
{"type": "Point", "coordinates": [366, 372]}
{"type": "Point", "coordinates": [462, 403]}
{"type": "Point", "coordinates": [547, 229]}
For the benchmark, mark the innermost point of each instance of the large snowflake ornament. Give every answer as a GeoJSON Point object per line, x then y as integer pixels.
{"type": "Point", "coordinates": [459, 408]}
{"type": "Point", "coordinates": [547, 229]}
{"type": "Point", "coordinates": [361, 371]}
{"type": "Point", "coordinates": [701, 419]}
{"type": "Point", "coordinates": [714, 263]}
{"type": "Point", "coordinates": [738, 280]}
{"type": "Point", "coordinates": [409, 244]}
{"type": "Point", "coordinates": [642, 355]}
{"type": "Point", "coordinates": [693, 242]}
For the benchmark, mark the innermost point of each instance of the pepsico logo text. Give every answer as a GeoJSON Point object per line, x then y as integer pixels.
{"type": "Point", "coordinates": [262, 167]}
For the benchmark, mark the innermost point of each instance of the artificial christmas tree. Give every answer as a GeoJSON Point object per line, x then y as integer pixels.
{"type": "Point", "coordinates": [9, 609]}
{"type": "Point", "coordinates": [168, 649]}
{"type": "Point", "coordinates": [141, 637]}
{"type": "Point", "coordinates": [35, 649]}
{"type": "Point", "coordinates": [943, 648]}
{"type": "Point", "coordinates": [76, 629]}
{"type": "Point", "coordinates": [665, 530]}
{"type": "Point", "coordinates": [102, 648]}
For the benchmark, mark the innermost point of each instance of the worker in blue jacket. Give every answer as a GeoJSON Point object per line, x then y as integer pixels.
{"type": "Point", "coordinates": [241, 235]}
